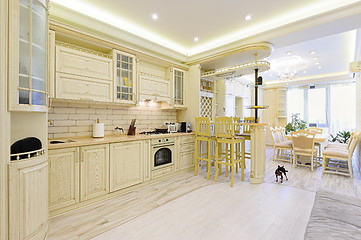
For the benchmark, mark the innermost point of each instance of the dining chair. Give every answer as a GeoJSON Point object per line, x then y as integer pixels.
{"type": "Point", "coordinates": [304, 145]}
{"type": "Point", "coordinates": [204, 135]}
{"type": "Point", "coordinates": [280, 147]}
{"type": "Point", "coordinates": [316, 131]}
{"type": "Point", "coordinates": [224, 129]}
{"type": "Point", "coordinates": [338, 159]}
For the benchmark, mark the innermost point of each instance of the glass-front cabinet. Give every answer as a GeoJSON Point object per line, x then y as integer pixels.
{"type": "Point", "coordinates": [178, 88]}
{"type": "Point", "coordinates": [28, 44]}
{"type": "Point", "coordinates": [124, 77]}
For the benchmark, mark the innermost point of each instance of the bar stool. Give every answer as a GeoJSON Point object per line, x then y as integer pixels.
{"type": "Point", "coordinates": [224, 128]}
{"type": "Point", "coordinates": [203, 134]}
{"type": "Point", "coordinates": [246, 134]}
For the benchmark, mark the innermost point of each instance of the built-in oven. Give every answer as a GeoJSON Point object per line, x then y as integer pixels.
{"type": "Point", "coordinates": [162, 152]}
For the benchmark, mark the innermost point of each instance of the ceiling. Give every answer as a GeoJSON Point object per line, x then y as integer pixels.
{"type": "Point", "coordinates": [298, 26]}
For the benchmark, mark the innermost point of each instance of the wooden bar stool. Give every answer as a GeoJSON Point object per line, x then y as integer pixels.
{"type": "Point", "coordinates": [246, 134]}
{"type": "Point", "coordinates": [203, 134]}
{"type": "Point", "coordinates": [224, 128]}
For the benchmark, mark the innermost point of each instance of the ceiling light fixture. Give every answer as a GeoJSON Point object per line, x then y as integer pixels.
{"type": "Point", "coordinates": [155, 16]}
{"type": "Point", "coordinates": [315, 58]}
{"type": "Point", "coordinates": [304, 71]}
{"type": "Point", "coordinates": [288, 53]}
{"type": "Point", "coordinates": [196, 39]}
{"type": "Point", "coordinates": [312, 52]}
{"type": "Point", "coordinates": [287, 67]}
{"type": "Point", "coordinates": [248, 17]}
{"type": "Point", "coordinates": [319, 67]}
{"type": "Point", "coordinates": [317, 63]}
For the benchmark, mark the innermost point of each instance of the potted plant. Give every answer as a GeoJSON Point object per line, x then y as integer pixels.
{"type": "Point", "coordinates": [296, 123]}
{"type": "Point", "coordinates": [341, 137]}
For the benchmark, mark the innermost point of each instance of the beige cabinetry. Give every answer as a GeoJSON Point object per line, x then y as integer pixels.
{"type": "Point", "coordinates": [94, 171]}
{"type": "Point", "coordinates": [125, 84]}
{"type": "Point", "coordinates": [126, 164]}
{"type": "Point", "coordinates": [178, 82]}
{"type": "Point", "coordinates": [281, 107]}
{"type": "Point", "coordinates": [152, 88]}
{"type": "Point", "coordinates": [83, 76]}
{"type": "Point", "coordinates": [63, 177]}
{"type": "Point", "coordinates": [186, 148]}
{"type": "Point", "coordinates": [28, 43]}
{"type": "Point", "coordinates": [28, 198]}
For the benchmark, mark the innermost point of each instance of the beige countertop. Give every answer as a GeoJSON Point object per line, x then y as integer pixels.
{"type": "Point", "coordinates": [86, 141]}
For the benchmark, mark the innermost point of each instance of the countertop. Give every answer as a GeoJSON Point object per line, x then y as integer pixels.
{"type": "Point", "coordinates": [86, 141]}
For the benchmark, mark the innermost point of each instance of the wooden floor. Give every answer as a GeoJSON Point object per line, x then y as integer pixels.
{"type": "Point", "coordinates": [190, 207]}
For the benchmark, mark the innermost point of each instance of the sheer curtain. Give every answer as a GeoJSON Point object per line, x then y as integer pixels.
{"type": "Point", "coordinates": [295, 102]}
{"type": "Point", "coordinates": [342, 107]}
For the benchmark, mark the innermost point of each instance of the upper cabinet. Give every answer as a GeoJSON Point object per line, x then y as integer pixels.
{"type": "Point", "coordinates": [124, 77]}
{"type": "Point", "coordinates": [83, 76]}
{"type": "Point", "coordinates": [178, 80]}
{"type": "Point", "coordinates": [28, 44]}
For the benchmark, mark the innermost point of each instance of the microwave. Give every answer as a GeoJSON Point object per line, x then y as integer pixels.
{"type": "Point", "coordinates": [186, 127]}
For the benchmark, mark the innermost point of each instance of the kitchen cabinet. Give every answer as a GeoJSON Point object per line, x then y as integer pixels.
{"type": "Point", "coordinates": [186, 151]}
{"type": "Point", "coordinates": [83, 76]}
{"type": "Point", "coordinates": [126, 164]}
{"type": "Point", "coordinates": [94, 171]}
{"type": "Point", "coordinates": [124, 77]}
{"type": "Point", "coordinates": [28, 65]}
{"type": "Point", "coordinates": [156, 89]}
{"type": "Point", "coordinates": [63, 177]}
{"type": "Point", "coordinates": [28, 198]}
{"type": "Point", "coordinates": [178, 81]}
{"type": "Point", "coordinates": [281, 107]}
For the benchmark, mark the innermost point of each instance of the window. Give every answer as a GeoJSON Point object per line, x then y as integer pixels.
{"type": "Point", "coordinates": [332, 107]}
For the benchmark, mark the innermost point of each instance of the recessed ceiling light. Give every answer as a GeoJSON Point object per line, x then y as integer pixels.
{"type": "Point", "coordinates": [318, 63]}
{"type": "Point", "coordinates": [288, 52]}
{"type": "Point", "coordinates": [315, 58]}
{"type": "Point", "coordinates": [196, 39]}
{"type": "Point", "coordinates": [270, 74]}
{"type": "Point", "coordinates": [155, 16]}
{"type": "Point", "coordinates": [312, 52]}
{"type": "Point", "coordinates": [304, 71]}
{"type": "Point", "coordinates": [248, 17]}
{"type": "Point", "coordinates": [319, 66]}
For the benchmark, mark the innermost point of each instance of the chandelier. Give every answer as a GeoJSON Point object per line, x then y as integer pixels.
{"type": "Point", "coordinates": [286, 76]}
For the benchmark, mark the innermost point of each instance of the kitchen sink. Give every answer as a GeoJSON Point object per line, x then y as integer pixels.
{"type": "Point", "coordinates": [61, 141]}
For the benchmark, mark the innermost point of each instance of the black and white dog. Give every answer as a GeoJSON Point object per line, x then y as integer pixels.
{"type": "Point", "coordinates": [279, 173]}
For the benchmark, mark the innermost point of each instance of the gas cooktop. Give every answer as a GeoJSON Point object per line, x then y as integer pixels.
{"type": "Point", "coordinates": [155, 132]}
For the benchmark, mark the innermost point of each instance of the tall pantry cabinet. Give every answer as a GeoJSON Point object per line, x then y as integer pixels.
{"type": "Point", "coordinates": [27, 104]}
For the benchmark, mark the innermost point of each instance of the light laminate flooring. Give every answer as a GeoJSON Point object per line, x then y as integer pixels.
{"type": "Point", "coordinates": [190, 207]}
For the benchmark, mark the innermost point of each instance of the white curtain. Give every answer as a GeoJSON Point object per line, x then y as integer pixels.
{"type": "Point", "coordinates": [295, 102]}
{"type": "Point", "coordinates": [342, 108]}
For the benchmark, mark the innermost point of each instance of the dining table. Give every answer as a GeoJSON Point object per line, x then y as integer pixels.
{"type": "Point", "coordinates": [320, 141]}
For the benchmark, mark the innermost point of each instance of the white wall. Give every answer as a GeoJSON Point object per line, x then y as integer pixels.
{"type": "Point", "coordinates": [192, 96]}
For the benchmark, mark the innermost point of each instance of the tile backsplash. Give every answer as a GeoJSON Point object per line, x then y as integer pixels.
{"type": "Point", "coordinates": [76, 119]}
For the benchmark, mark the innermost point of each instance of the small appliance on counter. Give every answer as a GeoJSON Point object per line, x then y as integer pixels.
{"type": "Point", "coordinates": [98, 129]}
{"type": "Point", "coordinates": [172, 127]}
{"type": "Point", "coordinates": [186, 127]}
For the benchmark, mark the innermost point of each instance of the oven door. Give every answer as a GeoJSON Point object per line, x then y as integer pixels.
{"type": "Point", "coordinates": [163, 156]}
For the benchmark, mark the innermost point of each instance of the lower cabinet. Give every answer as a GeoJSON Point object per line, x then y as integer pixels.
{"type": "Point", "coordinates": [186, 151]}
{"type": "Point", "coordinates": [28, 198]}
{"type": "Point", "coordinates": [126, 164]}
{"type": "Point", "coordinates": [63, 177]}
{"type": "Point", "coordinates": [94, 171]}
{"type": "Point", "coordinates": [77, 174]}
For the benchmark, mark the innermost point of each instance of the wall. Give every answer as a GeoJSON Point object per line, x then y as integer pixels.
{"type": "Point", "coordinates": [75, 119]}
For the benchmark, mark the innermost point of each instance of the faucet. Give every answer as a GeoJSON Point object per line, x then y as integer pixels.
{"type": "Point", "coordinates": [120, 129]}
{"type": "Point", "coordinates": [50, 122]}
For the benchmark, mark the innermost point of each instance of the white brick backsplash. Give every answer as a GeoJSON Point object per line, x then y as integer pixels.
{"type": "Point", "coordinates": [58, 129]}
{"type": "Point", "coordinates": [64, 110]}
{"type": "Point", "coordinates": [85, 110]}
{"type": "Point", "coordinates": [79, 116]}
{"type": "Point", "coordinates": [76, 119]}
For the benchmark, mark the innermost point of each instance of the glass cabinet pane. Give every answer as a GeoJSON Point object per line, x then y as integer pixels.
{"type": "Point", "coordinates": [178, 87]}
{"type": "Point", "coordinates": [124, 71]}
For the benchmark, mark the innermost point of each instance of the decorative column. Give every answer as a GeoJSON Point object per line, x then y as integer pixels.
{"type": "Point", "coordinates": [258, 152]}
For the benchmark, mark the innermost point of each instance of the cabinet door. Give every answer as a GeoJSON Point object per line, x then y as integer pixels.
{"type": "Point", "coordinates": [63, 177]}
{"type": "Point", "coordinates": [125, 164]}
{"type": "Point", "coordinates": [94, 171]}
{"type": "Point", "coordinates": [154, 89]}
{"type": "Point", "coordinates": [28, 43]}
{"type": "Point", "coordinates": [178, 87]}
{"type": "Point", "coordinates": [28, 198]}
{"type": "Point", "coordinates": [124, 77]}
{"type": "Point", "coordinates": [186, 160]}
